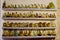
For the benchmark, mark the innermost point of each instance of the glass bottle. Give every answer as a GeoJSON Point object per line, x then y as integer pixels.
{"type": "Point", "coordinates": [53, 33]}
{"type": "Point", "coordinates": [11, 24]}
{"type": "Point", "coordinates": [5, 14]}
{"type": "Point", "coordinates": [35, 33]}
{"type": "Point", "coordinates": [24, 15]}
{"type": "Point", "coordinates": [11, 33]}
{"type": "Point", "coordinates": [42, 32]}
{"type": "Point", "coordinates": [5, 32]}
{"type": "Point", "coordinates": [13, 15]}
{"type": "Point", "coordinates": [49, 33]}
{"type": "Point", "coordinates": [20, 15]}
{"type": "Point", "coordinates": [8, 6]}
{"type": "Point", "coordinates": [52, 23]}
{"type": "Point", "coordinates": [30, 24]}
{"type": "Point", "coordinates": [44, 6]}
{"type": "Point", "coordinates": [12, 6]}
{"type": "Point", "coordinates": [4, 4]}
{"type": "Point", "coordinates": [22, 6]}
{"type": "Point", "coordinates": [4, 24]}
{"type": "Point", "coordinates": [31, 33]}
{"type": "Point", "coordinates": [43, 15]}
{"type": "Point", "coordinates": [30, 14]}
{"type": "Point", "coordinates": [48, 25]}
{"type": "Point", "coordinates": [34, 25]}
{"type": "Point", "coordinates": [35, 6]}
{"type": "Point", "coordinates": [25, 6]}
{"type": "Point", "coordinates": [19, 6]}
{"type": "Point", "coordinates": [8, 24]}
{"type": "Point", "coordinates": [41, 6]}
{"type": "Point", "coordinates": [54, 16]}
{"type": "Point", "coordinates": [40, 24]}
{"type": "Point", "coordinates": [15, 24]}
{"type": "Point", "coordinates": [16, 15]}
{"type": "Point", "coordinates": [39, 15]}
{"type": "Point", "coordinates": [46, 32]}
{"type": "Point", "coordinates": [44, 24]}
{"type": "Point", "coordinates": [26, 24]}
{"type": "Point", "coordinates": [15, 6]}
{"type": "Point", "coordinates": [39, 33]}
{"type": "Point", "coordinates": [38, 6]}
{"type": "Point", "coordinates": [46, 15]}
{"type": "Point", "coordinates": [21, 33]}
{"type": "Point", "coordinates": [36, 15]}
{"type": "Point", "coordinates": [8, 14]}
{"type": "Point", "coordinates": [32, 6]}
{"type": "Point", "coordinates": [18, 32]}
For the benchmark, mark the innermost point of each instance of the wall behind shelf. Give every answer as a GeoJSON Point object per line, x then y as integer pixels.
{"type": "Point", "coordinates": [58, 21]}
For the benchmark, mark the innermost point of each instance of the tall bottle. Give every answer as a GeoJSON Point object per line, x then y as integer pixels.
{"type": "Point", "coordinates": [4, 5]}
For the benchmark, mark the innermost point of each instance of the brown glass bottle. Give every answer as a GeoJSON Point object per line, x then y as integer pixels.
{"type": "Point", "coordinates": [4, 4]}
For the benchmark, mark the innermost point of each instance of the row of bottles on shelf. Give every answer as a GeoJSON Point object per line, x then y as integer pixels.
{"type": "Point", "coordinates": [30, 39]}
{"type": "Point", "coordinates": [28, 24]}
{"type": "Point", "coordinates": [50, 5]}
{"type": "Point", "coordinates": [29, 32]}
{"type": "Point", "coordinates": [29, 15]}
